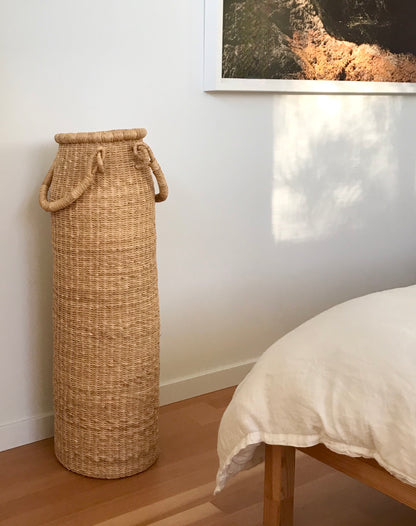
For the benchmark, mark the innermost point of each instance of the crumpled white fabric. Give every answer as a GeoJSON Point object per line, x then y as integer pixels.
{"type": "Point", "coordinates": [346, 378]}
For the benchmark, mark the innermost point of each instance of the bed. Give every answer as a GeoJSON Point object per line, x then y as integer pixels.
{"type": "Point", "coordinates": [341, 388]}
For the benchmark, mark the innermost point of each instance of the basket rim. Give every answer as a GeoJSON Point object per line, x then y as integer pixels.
{"type": "Point", "coordinates": [101, 136]}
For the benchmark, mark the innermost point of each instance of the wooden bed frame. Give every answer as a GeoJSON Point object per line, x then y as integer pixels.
{"type": "Point", "coordinates": [279, 480]}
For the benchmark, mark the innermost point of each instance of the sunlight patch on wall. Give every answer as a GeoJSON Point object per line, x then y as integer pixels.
{"type": "Point", "coordinates": [334, 163]}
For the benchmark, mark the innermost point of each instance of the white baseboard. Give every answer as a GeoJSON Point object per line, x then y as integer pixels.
{"type": "Point", "coordinates": [14, 434]}
{"type": "Point", "coordinates": [189, 386]}
{"type": "Point", "coordinates": [25, 431]}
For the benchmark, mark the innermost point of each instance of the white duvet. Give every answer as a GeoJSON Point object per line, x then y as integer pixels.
{"type": "Point", "coordinates": [346, 378]}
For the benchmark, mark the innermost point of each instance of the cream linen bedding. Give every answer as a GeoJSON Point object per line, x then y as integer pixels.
{"type": "Point", "coordinates": [346, 378]}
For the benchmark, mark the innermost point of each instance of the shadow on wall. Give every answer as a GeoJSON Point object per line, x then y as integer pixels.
{"type": "Point", "coordinates": [333, 166]}
{"type": "Point", "coordinates": [39, 268]}
{"type": "Point", "coordinates": [343, 197]}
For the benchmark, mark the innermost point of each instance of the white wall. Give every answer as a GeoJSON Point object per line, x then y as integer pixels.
{"type": "Point", "coordinates": [280, 206]}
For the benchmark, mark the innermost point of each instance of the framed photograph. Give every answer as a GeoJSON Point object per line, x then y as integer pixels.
{"type": "Point", "coordinates": [303, 46]}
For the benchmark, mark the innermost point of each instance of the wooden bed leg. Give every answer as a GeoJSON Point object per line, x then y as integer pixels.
{"type": "Point", "coordinates": [279, 486]}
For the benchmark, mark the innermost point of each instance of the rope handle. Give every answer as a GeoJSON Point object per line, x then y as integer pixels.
{"type": "Point", "coordinates": [98, 166]}
{"type": "Point", "coordinates": [139, 150]}
{"type": "Point", "coordinates": [75, 193]}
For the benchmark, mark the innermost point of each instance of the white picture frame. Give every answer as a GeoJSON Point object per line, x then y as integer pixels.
{"type": "Point", "coordinates": [214, 81]}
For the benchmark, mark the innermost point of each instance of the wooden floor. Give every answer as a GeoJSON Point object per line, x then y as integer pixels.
{"type": "Point", "coordinates": [177, 491]}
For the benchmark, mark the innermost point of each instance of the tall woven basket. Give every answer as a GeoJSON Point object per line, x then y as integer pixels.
{"type": "Point", "coordinates": [105, 301]}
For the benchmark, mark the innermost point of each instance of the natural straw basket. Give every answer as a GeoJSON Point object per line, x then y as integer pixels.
{"type": "Point", "coordinates": [105, 301]}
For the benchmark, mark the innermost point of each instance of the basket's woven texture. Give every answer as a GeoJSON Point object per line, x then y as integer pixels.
{"type": "Point", "coordinates": [105, 302]}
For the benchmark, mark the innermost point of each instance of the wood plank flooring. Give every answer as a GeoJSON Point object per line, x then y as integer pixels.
{"type": "Point", "coordinates": [35, 490]}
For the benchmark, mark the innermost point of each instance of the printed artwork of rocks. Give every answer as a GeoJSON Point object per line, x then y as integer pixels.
{"type": "Point", "coordinates": [364, 40]}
